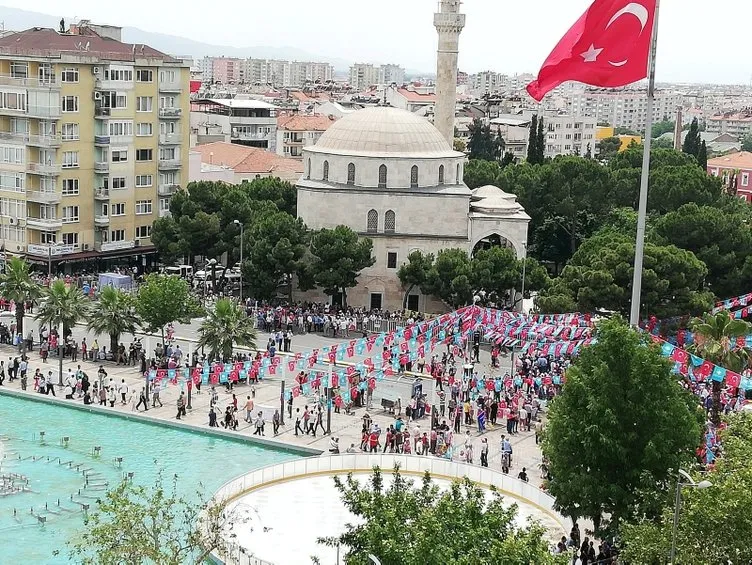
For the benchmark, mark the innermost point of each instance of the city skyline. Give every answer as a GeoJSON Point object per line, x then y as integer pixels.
{"type": "Point", "coordinates": [323, 30]}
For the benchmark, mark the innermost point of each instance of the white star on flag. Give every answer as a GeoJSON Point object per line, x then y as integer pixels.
{"type": "Point", "coordinates": [591, 55]}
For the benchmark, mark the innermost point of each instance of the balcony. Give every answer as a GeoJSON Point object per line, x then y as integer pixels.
{"type": "Point", "coordinates": [29, 139]}
{"type": "Point", "coordinates": [101, 140]}
{"type": "Point", "coordinates": [174, 86]}
{"type": "Point", "coordinates": [102, 194]}
{"type": "Point", "coordinates": [114, 245]}
{"type": "Point", "coordinates": [164, 213]}
{"type": "Point", "coordinates": [102, 167]}
{"type": "Point", "coordinates": [43, 112]}
{"type": "Point", "coordinates": [44, 197]}
{"type": "Point", "coordinates": [170, 139]}
{"type": "Point", "coordinates": [45, 224]}
{"type": "Point", "coordinates": [246, 136]}
{"type": "Point", "coordinates": [167, 189]}
{"type": "Point", "coordinates": [101, 221]}
{"type": "Point", "coordinates": [169, 164]}
{"type": "Point", "coordinates": [101, 112]}
{"type": "Point", "coordinates": [29, 82]}
{"type": "Point", "coordinates": [173, 113]}
{"type": "Point", "coordinates": [252, 121]}
{"type": "Point", "coordinates": [42, 169]}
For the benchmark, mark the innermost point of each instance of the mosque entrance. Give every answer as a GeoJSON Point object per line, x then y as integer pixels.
{"type": "Point", "coordinates": [493, 240]}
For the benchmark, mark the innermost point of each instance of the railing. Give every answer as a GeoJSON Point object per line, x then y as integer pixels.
{"type": "Point", "coordinates": [167, 189]}
{"type": "Point", "coordinates": [43, 111]}
{"type": "Point", "coordinates": [29, 139]}
{"type": "Point", "coordinates": [170, 112]}
{"type": "Point", "coordinates": [101, 140]}
{"type": "Point", "coordinates": [45, 223]}
{"type": "Point", "coordinates": [169, 163]}
{"type": "Point", "coordinates": [102, 194]}
{"type": "Point", "coordinates": [101, 112]}
{"type": "Point", "coordinates": [99, 219]}
{"type": "Point", "coordinates": [33, 82]}
{"type": "Point", "coordinates": [101, 167]}
{"type": "Point", "coordinates": [42, 169]}
{"type": "Point", "coordinates": [170, 138]}
{"type": "Point", "coordinates": [43, 196]}
{"type": "Point", "coordinates": [170, 86]}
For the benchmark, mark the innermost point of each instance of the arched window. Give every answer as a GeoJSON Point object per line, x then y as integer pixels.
{"type": "Point", "coordinates": [414, 177]}
{"type": "Point", "coordinates": [441, 174]}
{"type": "Point", "coordinates": [458, 173]}
{"type": "Point", "coordinates": [390, 221]}
{"type": "Point", "coordinates": [382, 176]}
{"type": "Point", "coordinates": [351, 173]}
{"type": "Point", "coordinates": [373, 221]}
{"type": "Point", "coordinates": [326, 170]}
{"type": "Point", "coordinates": [308, 169]}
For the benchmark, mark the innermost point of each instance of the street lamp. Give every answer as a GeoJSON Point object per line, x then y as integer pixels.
{"type": "Point", "coordinates": [690, 483]}
{"type": "Point", "coordinates": [242, 229]}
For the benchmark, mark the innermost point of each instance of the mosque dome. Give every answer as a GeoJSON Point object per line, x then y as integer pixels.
{"type": "Point", "coordinates": [491, 199]}
{"type": "Point", "coordinates": [384, 132]}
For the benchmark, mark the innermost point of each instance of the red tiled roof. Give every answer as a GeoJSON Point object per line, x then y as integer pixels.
{"type": "Point", "coordinates": [740, 160]}
{"type": "Point", "coordinates": [243, 159]}
{"type": "Point", "coordinates": [413, 96]}
{"type": "Point", "coordinates": [298, 122]}
{"type": "Point", "coordinates": [49, 43]}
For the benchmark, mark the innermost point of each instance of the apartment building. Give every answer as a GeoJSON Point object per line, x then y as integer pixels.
{"type": "Point", "coordinates": [568, 135]}
{"type": "Point", "coordinates": [622, 108]}
{"type": "Point", "coordinates": [274, 72]}
{"type": "Point", "coordinates": [296, 131]}
{"type": "Point", "coordinates": [94, 141]}
{"type": "Point", "coordinates": [243, 121]}
{"type": "Point", "coordinates": [364, 75]}
{"type": "Point", "coordinates": [391, 74]}
{"type": "Point", "coordinates": [738, 124]}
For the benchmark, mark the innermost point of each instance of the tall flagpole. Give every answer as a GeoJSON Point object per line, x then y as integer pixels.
{"type": "Point", "coordinates": [634, 318]}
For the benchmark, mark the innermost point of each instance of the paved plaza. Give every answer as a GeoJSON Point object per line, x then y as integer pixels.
{"type": "Point", "coordinates": [267, 395]}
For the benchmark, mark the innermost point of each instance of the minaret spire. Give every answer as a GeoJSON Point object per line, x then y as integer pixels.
{"type": "Point", "coordinates": [449, 23]}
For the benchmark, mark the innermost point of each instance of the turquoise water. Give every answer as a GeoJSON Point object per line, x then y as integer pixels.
{"type": "Point", "coordinates": [61, 479]}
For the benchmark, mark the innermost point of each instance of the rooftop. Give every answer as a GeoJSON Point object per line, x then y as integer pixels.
{"type": "Point", "coordinates": [46, 42]}
{"type": "Point", "coordinates": [299, 122]}
{"type": "Point", "coordinates": [413, 96]}
{"type": "Point", "coordinates": [740, 160]}
{"type": "Point", "coordinates": [246, 160]}
{"type": "Point", "coordinates": [244, 103]}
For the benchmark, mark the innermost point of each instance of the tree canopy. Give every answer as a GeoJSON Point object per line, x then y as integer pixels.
{"type": "Point", "coordinates": [484, 144]}
{"type": "Point", "coordinates": [619, 428]}
{"type": "Point", "coordinates": [164, 299]}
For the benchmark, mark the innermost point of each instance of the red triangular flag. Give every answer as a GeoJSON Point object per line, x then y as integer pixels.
{"type": "Point", "coordinates": [607, 47]}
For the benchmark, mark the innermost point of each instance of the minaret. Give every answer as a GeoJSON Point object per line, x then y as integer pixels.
{"type": "Point", "coordinates": [449, 23]}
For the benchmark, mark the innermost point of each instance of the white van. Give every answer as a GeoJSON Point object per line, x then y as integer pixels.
{"type": "Point", "coordinates": [183, 271]}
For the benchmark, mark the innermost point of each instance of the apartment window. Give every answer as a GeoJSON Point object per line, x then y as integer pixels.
{"type": "Point", "coordinates": [121, 128]}
{"type": "Point", "coordinates": [12, 207]}
{"type": "Point", "coordinates": [46, 74]}
{"type": "Point", "coordinates": [351, 173]}
{"type": "Point", "coordinates": [144, 180]}
{"type": "Point", "coordinates": [166, 76]}
{"type": "Point", "coordinates": [12, 154]}
{"type": "Point", "coordinates": [119, 155]}
{"type": "Point", "coordinates": [166, 101]}
{"type": "Point", "coordinates": [170, 127]}
{"type": "Point", "coordinates": [144, 129]}
{"type": "Point", "coordinates": [143, 154]}
{"type": "Point", "coordinates": [458, 173]}
{"type": "Point", "coordinates": [745, 179]}
{"type": "Point", "coordinates": [326, 171]}
{"type": "Point", "coordinates": [118, 209]}
{"type": "Point", "coordinates": [167, 153]}
{"type": "Point", "coordinates": [124, 75]}
{"type": "Point", "coordinates": [69, 74]}
{"type": "Point", "coordinates": [118, 183]}
{"type": "Point", "coordinates": [168, 178]}
{"type": "Point", "coordinates": [70, 159]}
{"type": "Point", "coordinates": [117, 235]}
{"type": "Point", "coordinates": [391, 260]}
{"type": "Point", "coordinates": [414, 177]}
{"type": "Point", "coordinates": [144, 75]}
{"type": "Point", "coordinates": [164, 204]}
{"type": "Point", "coordinates": [114, 100]}
{"type": "Point", "coordinates": [70, 187]}
{"type": "Point", "coordinates": [144, 104]}
{"type": "Point", "coordinates": [70, 132]}
{"type": "Point", "coordinates": [70, 214]}
{"type": "Point", "coordinates": [15, 182]}
{"type": "Point", "coordinates": [70, 238]}
{"type": "Point", "coordinates": [143, 232]}
{"type": "Point", "coordinates": [382, 176]}
{"type": "Point", "coordinates": [143, 207]}
{"type": "Point", "coordinates": [308, 168]}
{"type": "Point", "coordinates": [19, 70]}
{"type": "Point", "coordinates": [70, 103]}
{"type": "Point", "coordinates": [389, 221]}
{"type": "Point", "coordinates": [373, 221]}
{"type": "Point", "coordinates": [441, 174]}
{"type": "Point", "coordinates": [47, 237]}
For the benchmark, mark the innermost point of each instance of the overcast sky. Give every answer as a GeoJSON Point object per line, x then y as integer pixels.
{"type": "Point", "coordinates": [698, 40]}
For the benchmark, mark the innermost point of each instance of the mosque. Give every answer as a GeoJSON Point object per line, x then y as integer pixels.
{"type": "Point", "coordinates": [392, 176]}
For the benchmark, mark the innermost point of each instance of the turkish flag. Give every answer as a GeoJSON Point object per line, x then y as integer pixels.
{"type": "Point", "coordinates": [608, 47]}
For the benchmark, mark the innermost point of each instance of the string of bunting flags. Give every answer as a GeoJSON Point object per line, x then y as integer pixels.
{"type": "Point", "coordinates": [732, 303]}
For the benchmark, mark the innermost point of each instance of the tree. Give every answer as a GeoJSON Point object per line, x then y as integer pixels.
{"type": "Point", "coordinates": [459, 145]}
{"type": "Point", "coordinates": [338, 256]}
{"type": "Point", "coordinates": [702, 156]}
{"type": "Point", "coordinates": [114, 315]}
{"type": "Point", "coordinates": [17, 285]}
{"type": "Point", "coordinates": [449, 279]}
{"type": "Point", "coordinates": [63, 307]}
{"type": "Point", "coordinates": [414, 272]}
{"type": "Point", "coordinates": [662, 143]}
{"type": "Point", "coordinates": [162, 300]}
{"type": "Point", "coordinates": [532, 141]}
{"type": "Point", "coordinates": [618, 430]}
{"type": "Point", "coordinates": [484, 145]}
{"type": "Point", "coordinates": [747, 143]}
{"type": "Point", "coordinates": [588, 152]}
{"type": "Point", "coordinates": [496, 271]}
{"type": "Point", "coordinates": [540, 142]}
{"type": "Point", "coordinates": [608, 148]}
{"type": "Point", "coordinates": [599, 277]}
{"type": "Point", "coordinates": [716, 341]}
{"type": "Point", "coordinates": [135, 524]}
{"type": "Point", "coordinates": [225, 326]}
{"type": "Point", "coordinates": [692, 141]}
{"type": "Point", "coordinates": [283, 194]}
{"type": "Point", "coordinates": [479, 173]}
{"type": "Point", "coordinates": [399, 523]}
{"type": "Point", "coordinates": [508, 159]}
{"type": "Point", "coordinates": [665, 126]}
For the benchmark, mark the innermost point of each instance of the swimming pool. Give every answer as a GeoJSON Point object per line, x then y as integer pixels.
{"type": "Point", "coordinates": [44, 483]}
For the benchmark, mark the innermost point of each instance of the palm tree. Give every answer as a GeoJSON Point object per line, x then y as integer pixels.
{"type": "Point", "coordinates": [64, 306]}
{"type": "Point", "coordinates": [224, 327]}
{"type": "Point", "coordinates": [716, 341]}
{"type": "Point", "coordinates": [17, 285]}
{"type": "Point", "coordinates": [114, 315]}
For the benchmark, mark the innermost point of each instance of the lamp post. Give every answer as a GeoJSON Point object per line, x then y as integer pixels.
{"type": "Point", "coordinates": [242, 229]}
{"type": "Point", "coordinates": [524, 272]}
{"type": "Point", "coordinates": [690, 483]}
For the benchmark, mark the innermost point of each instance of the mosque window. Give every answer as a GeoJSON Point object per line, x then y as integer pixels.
{"type": "Point", "coordinates": [308, 169]}
{"type": "Point", "coordinates": [458, 173]}
{"type": "Point", "coordinates": [382, 176]}
{"type": "Point", "coordinates": [414, 177]}
{"type": "Point", "coordinates": [326, 170]}
{"type": "Point", "coordinates": [373, 221]}
{"type": "Point", "coordinates": [441, 174]}
{"type": "Point", "coordinates": [351, 173]}
{"type": "Point", "coordinates": [390, 221]}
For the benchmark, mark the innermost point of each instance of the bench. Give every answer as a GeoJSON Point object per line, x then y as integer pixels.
{"type": "Point", "coordinates": [388, 405]}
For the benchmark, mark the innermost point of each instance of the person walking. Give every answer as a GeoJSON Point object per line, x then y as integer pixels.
{"type": "Point", "coordinates": [181, 405]}
{"type": "Point", "coordinates": [249, 410]}
{"type": "Point", "coordinates": [259, 425]}
{"type": "Point", "coordinates": [484, 452]}
{"type": "Point", "coordinates": [155, 395]}
{"type": "Point", "coordinates": [111, 395]}
{"type": "Point", "coordinates": [123, 390]}
{"type": "Point", "coordinates": [275, 422]}
{"type": "Point", "coordinates": [142, 399]}
{"type": "Point", "coordinates": [298, 427]}
{"type": "Point", "coordinates": [319, 422]}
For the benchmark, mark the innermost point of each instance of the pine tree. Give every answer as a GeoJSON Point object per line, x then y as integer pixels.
{"type": "Point", "coordinates": [691, 145]}
{"type": "Point", "coordinates": [702, 157]}
{"type": "Point", "coordinates": [532, 140]}
{"type": "Point", "coordinates": [541, 146]}
{"type": "Point", "coordinates": [589, 152]}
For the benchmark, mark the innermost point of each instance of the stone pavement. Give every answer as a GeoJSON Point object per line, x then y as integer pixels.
{"type": "Point", "coordinates": [346, 428]}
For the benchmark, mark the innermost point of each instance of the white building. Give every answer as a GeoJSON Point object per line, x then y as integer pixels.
{"type": "Point", "coordinates": [363, 75]}
{"type": "Point", "coordinates": [416, 99]}
{"type": "Point", "coordinates": [391, 176]}
{"type": "Point", "coordinates": [568, 135]}
{"type": "Point", "coordinates": [241, 121]}
{"type": "Point", "coordinates": [623, 108]}
{"type": "Point", "coordinates": [515, 129]}
{"type": "Point", "coordinates": [391, 74]}
{"type": "Point", "coordinates": [298, 131]}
